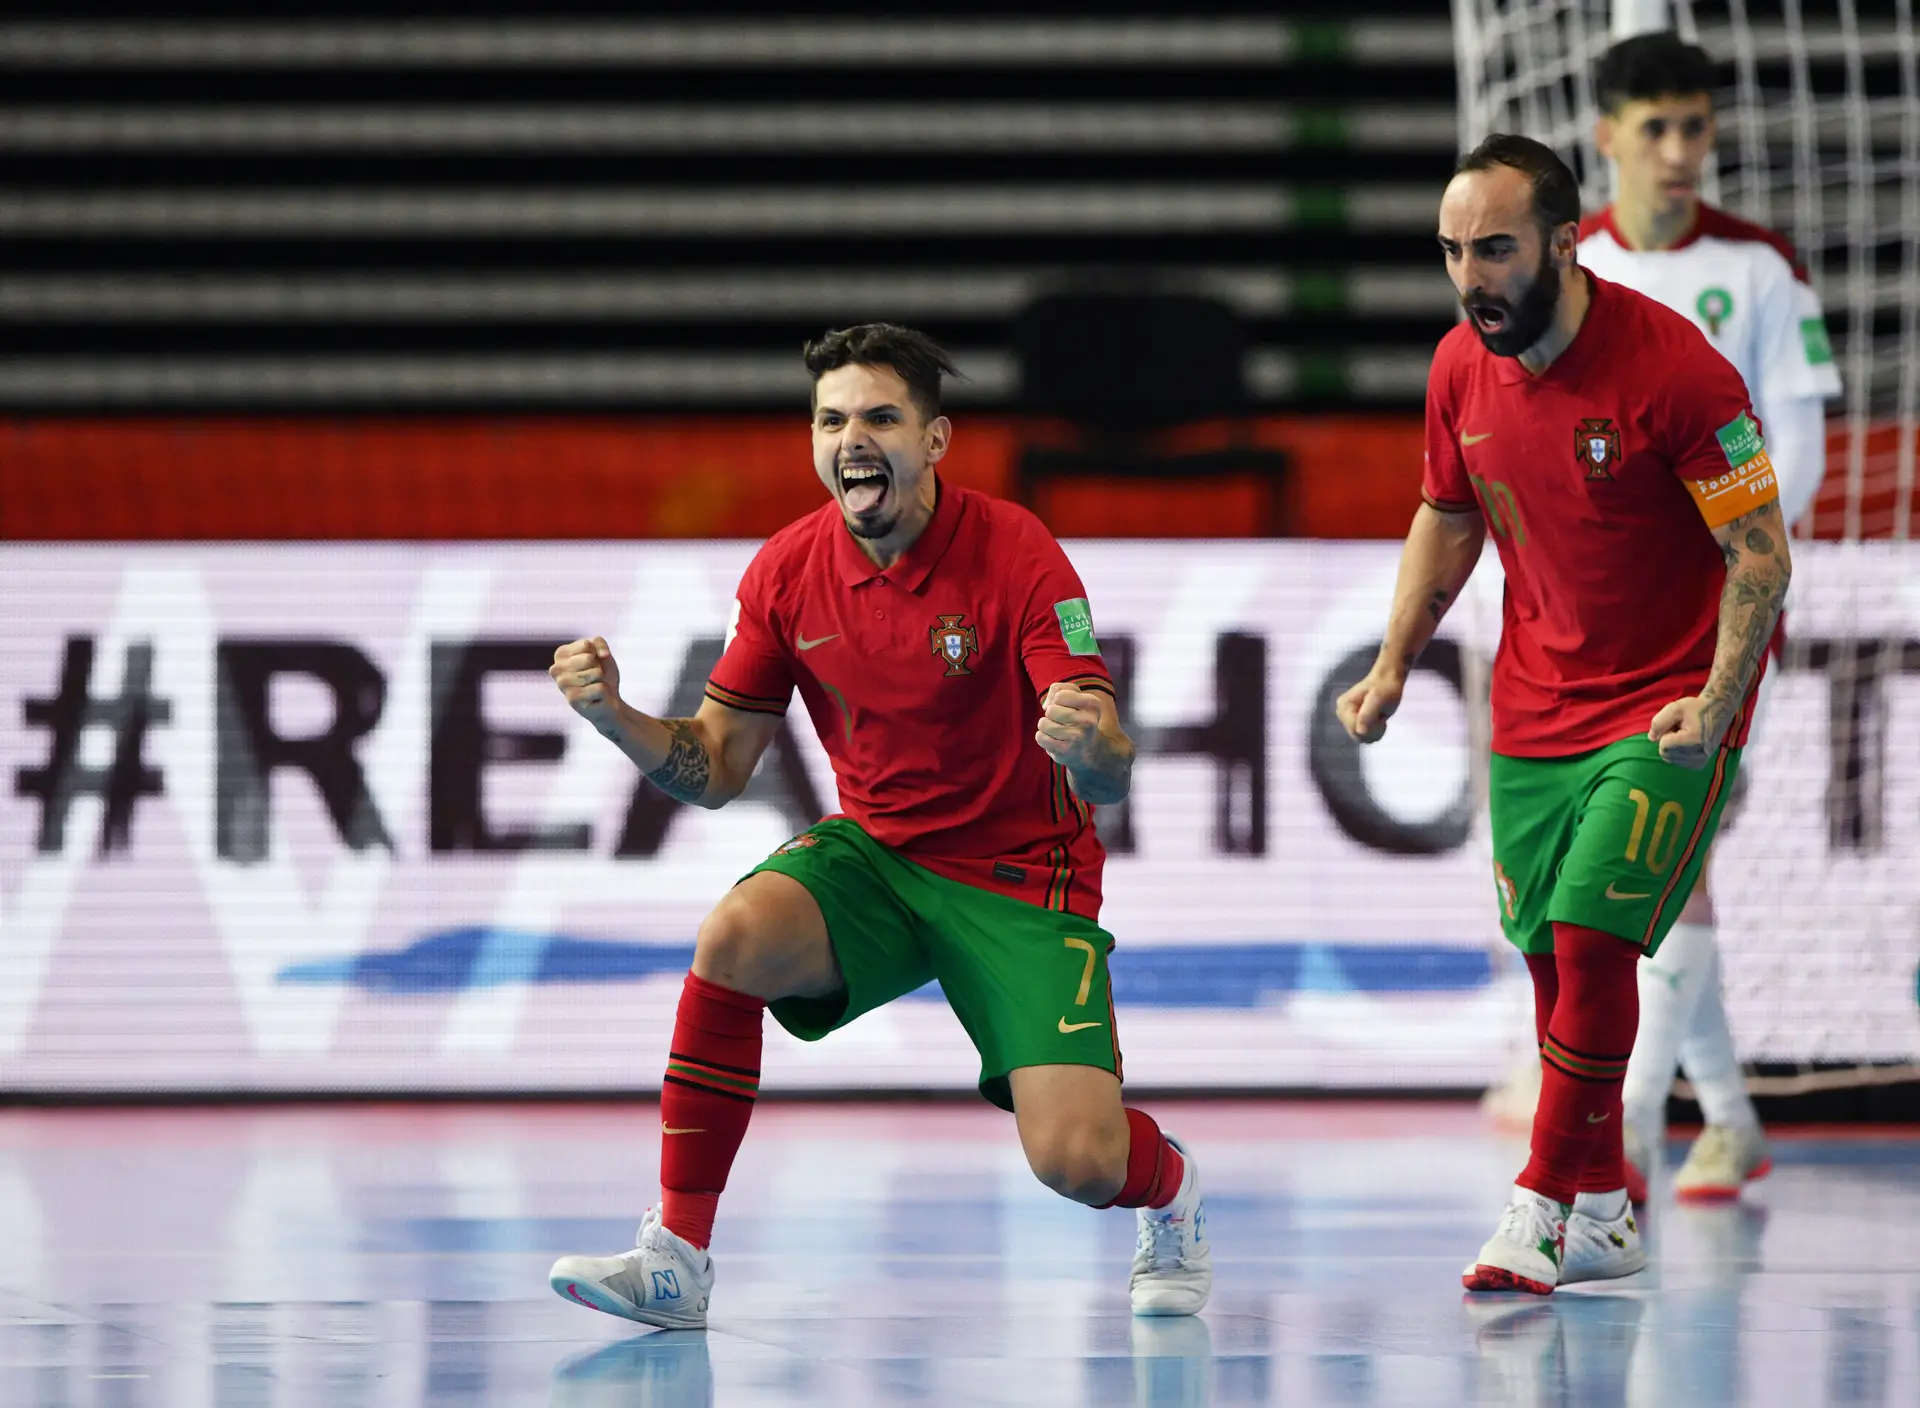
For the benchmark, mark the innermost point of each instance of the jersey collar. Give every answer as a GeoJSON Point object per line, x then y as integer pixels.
{"type": "Point", "coordinates": [1701, 219]}
{"type": "Point", "coordinates": [1586, 342]}
{"type": "Point", "coordinates": [918, 561]}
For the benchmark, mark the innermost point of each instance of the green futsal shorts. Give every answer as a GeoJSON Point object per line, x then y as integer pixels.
{"type": "Point", "coordinates": [1612, 840]}
{"type": "Point", "coordinates": [1030, 985]}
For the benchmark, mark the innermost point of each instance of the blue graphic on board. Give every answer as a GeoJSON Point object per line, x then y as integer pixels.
{"type": "Point", "coordinates": [1144, 975]}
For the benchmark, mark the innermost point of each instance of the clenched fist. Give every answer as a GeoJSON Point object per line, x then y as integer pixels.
{"type": "Point", "coordinates": [589, 678]}
{"type": "Point", "coordinates": [1069, 727]}
{"type": "Point", "coordinates": [1364, 710]}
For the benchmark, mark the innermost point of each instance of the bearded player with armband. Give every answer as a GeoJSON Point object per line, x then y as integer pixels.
{"type": "Point", "coordinates": [944, 648]}
{"type": "Point", "coordinates": [1614, 455]}
{"type": "Point", "coordinates": [1741, 285]}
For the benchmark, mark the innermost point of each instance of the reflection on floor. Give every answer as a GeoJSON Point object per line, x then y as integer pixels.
{"type": "Point", "coordinates": [390, 1255]}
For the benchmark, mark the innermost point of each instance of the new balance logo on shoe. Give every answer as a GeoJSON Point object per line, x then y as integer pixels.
{"type": "Point", "coordinates": [666, 1285]}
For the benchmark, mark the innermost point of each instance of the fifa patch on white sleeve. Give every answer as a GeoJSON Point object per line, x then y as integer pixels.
{"type": "Point", "coordinates": [1813, 336]}
{"type": "Point", "coordinates": [1749, 481]}
{"type": "Point", "coordinates": [1076, 626]}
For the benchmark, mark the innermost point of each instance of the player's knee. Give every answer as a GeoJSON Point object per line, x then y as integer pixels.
{"type": "Point", "coordinates": [1078, 1160]}
{"type": "Point", "coordinates": [737, 948]}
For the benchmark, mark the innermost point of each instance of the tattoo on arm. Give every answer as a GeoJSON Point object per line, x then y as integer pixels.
{"type": "Point", "coordinates": [1437, 605]}
{"type": "Point", "coordinates": [1107, 776]}
{"type": "Point", "coordinates": [683, 776]}
{"type": "Point", "coordinates": [1749, 606]}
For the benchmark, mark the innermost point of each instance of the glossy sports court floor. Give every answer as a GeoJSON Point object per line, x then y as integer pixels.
{"type": "Point", "coordinates": [390, 1255]}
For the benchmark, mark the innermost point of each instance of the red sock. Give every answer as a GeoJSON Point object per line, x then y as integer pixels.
{"type": "Point", "coordinates": [713, 1075]}
{"type": "Point", "coordinates": [1583, 1061]}
{"type": "Point", "coordinates": [1546, 992]}
{"type": "Point", "coordinates": [1154, 1167]}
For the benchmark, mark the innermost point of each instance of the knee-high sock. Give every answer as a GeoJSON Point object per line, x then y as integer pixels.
{"type": "Point", "coordinates": [1709, 1059]}
{"type": "Point", "coordinates": [1671, 984]}
{"type": "Point", "coordinates": [1582, 1063]}
{"type": "Point", "coordinates": [713, 1076]}
{"type": "Point", "coordinates": [1545, 972]}
{"type": "Point", "coordinates": [1154, 1166]}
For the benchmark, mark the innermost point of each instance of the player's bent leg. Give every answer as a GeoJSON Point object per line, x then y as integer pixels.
{"type": "Point", "coordinates": [1732, 1150]}
{"type": "Point", "coordinates": [1084, 1144]}
{"type": "Point", "coordinates": [766, 939]}
{"type": "Point", "coordinates": [1073, 1130]}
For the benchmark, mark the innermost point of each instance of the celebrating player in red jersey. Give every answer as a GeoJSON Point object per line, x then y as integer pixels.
{"type": "Point", "coordinates": [1615, 456]}
{"type": "Point", "coordinates": [923, 625]}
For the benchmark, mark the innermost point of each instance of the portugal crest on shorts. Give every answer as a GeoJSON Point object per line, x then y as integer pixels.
{"type": "Point", "coordinates": [953, 642]}
{"type": "Point", "coordinates": [1596, 445]}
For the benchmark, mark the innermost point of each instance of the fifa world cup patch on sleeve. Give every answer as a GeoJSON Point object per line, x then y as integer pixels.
{"type": "Point", "coordinates": [1740, 440]}
{"type": "Point", "coordinates": [1076, 626]}
{"type": "Point", "coordinates": [1813, 336]}
{"type": "Point", "coordinates": [1749, 480]}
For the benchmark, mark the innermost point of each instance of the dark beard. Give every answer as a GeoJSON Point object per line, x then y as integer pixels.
{"type": "Point", "coordinates": [1528, 320]}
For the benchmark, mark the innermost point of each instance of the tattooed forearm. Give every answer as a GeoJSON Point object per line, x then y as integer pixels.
{"type": "Point", "coordinates": [684, 774]}
{"type": "Point", "coordinates": [1758, 569]}
{"type": "Point", "coordinates": [1107, 776]}
{"type": "Point", "coordinates": [1437, 605]}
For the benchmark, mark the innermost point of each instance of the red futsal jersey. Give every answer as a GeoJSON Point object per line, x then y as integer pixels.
{"type": "Point", "coordinates": [1601, 480]}
{"type": "Point", "coordinates": [924, 680]}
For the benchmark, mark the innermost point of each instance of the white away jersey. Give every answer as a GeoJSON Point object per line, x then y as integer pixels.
{"type": "Point", "coordinates": [1739, 283]}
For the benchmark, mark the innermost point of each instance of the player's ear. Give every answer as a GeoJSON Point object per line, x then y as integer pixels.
{"type": "Point", "coordinates": [1603, 129]}
{"type": "Point", "coordinates": [939, 436]}
{"type": "Point", "coordinates": [1566, 245]}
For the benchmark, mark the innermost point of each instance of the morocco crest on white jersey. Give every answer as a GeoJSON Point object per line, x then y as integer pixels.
{"type": "Point", "coordinates": [1740, 284]}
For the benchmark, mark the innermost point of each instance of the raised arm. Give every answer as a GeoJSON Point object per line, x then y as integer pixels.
{"type": "Point", "coordinates": [1441, 551]}
{"type": "Point", "coordinates": [705, 760]}
{"type": "Point", "coordinates": [1759, 566]}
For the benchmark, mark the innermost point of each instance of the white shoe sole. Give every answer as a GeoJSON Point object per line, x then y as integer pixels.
{"type": "Point", "coordinates": [1175, 1299]}
{"type": "Point", "coordinates": [1610, 1270]}
{"type": "Point", "coordinates": [583, 1290]}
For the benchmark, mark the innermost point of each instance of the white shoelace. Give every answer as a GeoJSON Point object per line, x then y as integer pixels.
{"type": "Point", "coordinates": [1161, 1238]}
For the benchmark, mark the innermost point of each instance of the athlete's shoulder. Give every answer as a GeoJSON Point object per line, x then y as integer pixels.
{"type": "Point", "coordinates": [1001, 518]}
{"type": "Point", "coordinates": [1716, 224]}
{"type": "Point", "coordinates": [782, 558]}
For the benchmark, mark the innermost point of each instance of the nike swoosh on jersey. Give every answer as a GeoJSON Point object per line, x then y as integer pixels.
{"type": "Point", "coordinates": [1066, 1030]}
{"type": "Point", "coordinates": [1614, 894]}
{"type": "Point", "coordinates": [1596, 1119]}
{"type": "Point", "coordinates": [806, 644]}
{"type": "Point", "coordinates": [668, 1129]}
{"type": "Point", "coordinates": [1475, 439]}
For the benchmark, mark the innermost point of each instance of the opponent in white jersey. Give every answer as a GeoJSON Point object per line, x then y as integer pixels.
{"type": "Point", "coordinates": [1742, 285]}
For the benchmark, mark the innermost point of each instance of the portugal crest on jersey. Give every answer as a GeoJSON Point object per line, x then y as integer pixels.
{"type": "Point", "coordinates": [953, 642]}
{"type": "Point", "coordinates": [1596, 445]}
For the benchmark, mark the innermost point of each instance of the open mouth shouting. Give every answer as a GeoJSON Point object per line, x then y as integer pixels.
{"type": "Point", "coordinates": [1488, 315]}
{"type": "Point", "coordinates": [865, 486]}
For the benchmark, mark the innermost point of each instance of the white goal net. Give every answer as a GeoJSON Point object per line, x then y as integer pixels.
{"type": "Point", "coordinates": [1818, 883]}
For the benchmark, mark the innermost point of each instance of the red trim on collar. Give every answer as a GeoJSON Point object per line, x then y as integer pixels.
{"type": "Point", "coordinates": [1709, 221]}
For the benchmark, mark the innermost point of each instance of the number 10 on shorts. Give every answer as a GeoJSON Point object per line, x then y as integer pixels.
{"type": "Point", "coordinates": [1668, 823]}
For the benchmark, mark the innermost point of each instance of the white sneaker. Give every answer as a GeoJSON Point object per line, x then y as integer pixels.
{"type": "Point", "coordinates": [1172, 1263]}
{"type": "Point", "coordinates": [1601, 1248]}
{"type": "Point", "coordinates": [663, 1281]}
{"type": "Point", "coordinates": [1524, 1252]}
{"type": "Point", "coordinates": [1723, 1159]}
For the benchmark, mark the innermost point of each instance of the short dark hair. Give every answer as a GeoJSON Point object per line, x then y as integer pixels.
{"type": "Point", "coordinates": [1658, 65]}
{"type": "Point", "coordinates": [914, 357]}
{"type": "Point", "coordinates": [1556, 195]}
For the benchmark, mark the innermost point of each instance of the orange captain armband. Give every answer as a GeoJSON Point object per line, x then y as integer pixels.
{"type": "Point", "coordinates": [1749, 481]}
